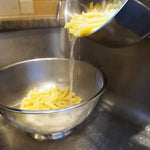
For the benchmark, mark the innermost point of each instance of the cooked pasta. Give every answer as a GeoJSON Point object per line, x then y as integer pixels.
{"type": "Point", "coordinates": [94, 17]}
{"type": "Point", "coordinates": [53, 98]}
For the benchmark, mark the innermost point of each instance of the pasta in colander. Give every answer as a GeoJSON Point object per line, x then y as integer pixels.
{"type": "Point", "coordinates": [53, 98]}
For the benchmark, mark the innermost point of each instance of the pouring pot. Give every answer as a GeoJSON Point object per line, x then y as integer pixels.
{"type": "Point", "coordinates": [129, 25]}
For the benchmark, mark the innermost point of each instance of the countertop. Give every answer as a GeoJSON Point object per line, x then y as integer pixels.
{"type": "Point", "coordinates": [41, 21]}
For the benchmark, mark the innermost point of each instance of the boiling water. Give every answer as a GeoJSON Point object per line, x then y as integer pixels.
{"type": "Point", "coordinates": [72, 40]}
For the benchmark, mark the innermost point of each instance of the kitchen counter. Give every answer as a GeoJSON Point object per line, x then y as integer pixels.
{"type": "Point", "coordinates": [40, 21]}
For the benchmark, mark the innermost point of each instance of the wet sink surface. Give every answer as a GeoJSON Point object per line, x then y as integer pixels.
{"type": "Point", "coordinates": [101, 131]}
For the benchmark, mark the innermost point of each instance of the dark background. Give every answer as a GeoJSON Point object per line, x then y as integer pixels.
{"type": "Point", "coordinates": [146, 2]}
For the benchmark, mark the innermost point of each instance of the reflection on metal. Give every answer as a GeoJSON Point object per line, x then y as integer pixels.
{"type": "Point", "coordinates": [143, 137]}
{"type": "Point", "coordinates": [58, 9]}
{"type": "Point", "coordinates": [54, 136]}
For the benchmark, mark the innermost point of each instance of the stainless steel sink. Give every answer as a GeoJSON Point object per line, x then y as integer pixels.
{"type": "Point", "coordinates": [120, 122]}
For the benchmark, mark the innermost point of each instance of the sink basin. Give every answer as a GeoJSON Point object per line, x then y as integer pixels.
{"type": "Point", "coordinates": [128, 72]}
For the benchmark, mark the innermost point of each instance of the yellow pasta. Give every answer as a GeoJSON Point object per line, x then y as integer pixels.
{"type": "Point", "coordinates": [94, 17]}
{"type": "Point", "coordinates": [53, 98]}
